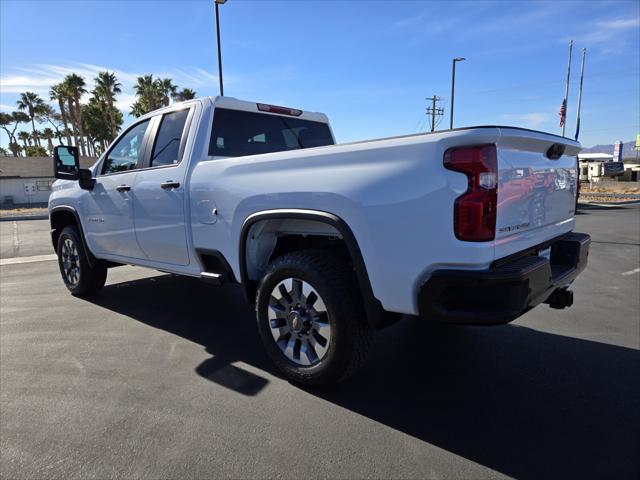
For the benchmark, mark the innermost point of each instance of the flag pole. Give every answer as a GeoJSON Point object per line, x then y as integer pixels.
{"type": "Point", "coordinates": [566, 90]}
{"type": "Point", "coordinates": [584, 54]}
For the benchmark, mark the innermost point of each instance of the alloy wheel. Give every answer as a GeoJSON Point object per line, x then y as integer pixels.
{"type": "Point", "coordinates": [299, 322]}
{"type": "Point", "coordinates": [70, 262]}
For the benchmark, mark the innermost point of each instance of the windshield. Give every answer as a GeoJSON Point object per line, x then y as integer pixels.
{"type": "Point", "coordinates": [237, 133]}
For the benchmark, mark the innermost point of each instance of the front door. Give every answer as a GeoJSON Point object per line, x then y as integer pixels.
{"type": "Point", "coordinates": [109, 206]}
{"type": "Point", "coordinates": [159, 201]}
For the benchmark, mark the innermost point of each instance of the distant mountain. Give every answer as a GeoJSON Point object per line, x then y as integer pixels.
{"type": "Point", "coordinates": [628, 149]}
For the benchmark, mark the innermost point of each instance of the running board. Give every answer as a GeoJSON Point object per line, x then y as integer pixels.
{"type": "Point", "coordinates": [212, 278]}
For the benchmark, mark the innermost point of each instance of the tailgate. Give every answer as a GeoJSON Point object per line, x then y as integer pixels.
{"type": "Point", "coordinates": [536, 193]}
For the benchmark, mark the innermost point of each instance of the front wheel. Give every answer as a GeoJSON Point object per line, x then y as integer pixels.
{"type": "Point", "coordinates": [79, 277]}
{"type": "Point", "coordinates": [311, 319]}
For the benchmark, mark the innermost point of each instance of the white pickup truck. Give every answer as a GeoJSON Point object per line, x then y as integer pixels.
{"type": "Point", "coordinates": [470, 226]}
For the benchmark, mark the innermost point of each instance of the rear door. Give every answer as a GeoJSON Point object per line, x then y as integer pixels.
{"type": "Point", "coordinates": [536, 191]}
{"type": "Point", "coordinates": [159, 202]}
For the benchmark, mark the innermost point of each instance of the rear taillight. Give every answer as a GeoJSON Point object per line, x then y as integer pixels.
{"type": "Point", "coordinates": [475, 211]}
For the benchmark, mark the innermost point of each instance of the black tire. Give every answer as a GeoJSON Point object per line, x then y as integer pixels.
{"type": "Point", "coordinates": [351, 336]}
{"type": "Point", "coordinates": [84, 280]}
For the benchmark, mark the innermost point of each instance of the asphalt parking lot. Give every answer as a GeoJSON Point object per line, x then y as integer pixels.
{"type": "Point", "coordinates": [164, 377]}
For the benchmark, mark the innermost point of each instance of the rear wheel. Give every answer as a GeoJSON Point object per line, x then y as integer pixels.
{"type": "Point", "coordinates": [78, 276]}
{"type": "Point", "coordinates": [311, 319]}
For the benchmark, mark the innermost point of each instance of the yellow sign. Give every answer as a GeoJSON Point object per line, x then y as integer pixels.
{"type": "Point", "coordinates": [638, 141]}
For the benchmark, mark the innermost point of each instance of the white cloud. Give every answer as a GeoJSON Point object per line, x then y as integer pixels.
{"type": "Point", "coordinates": [620, 23]}
{"type": "Point", "coordinates": [6, 108]}
{"type": "Point", "coordinates": [609, 36]}
{"type": "Point", "coordinates": [531, 120]}
{"type": "Point", "coordinates": [124, 101]}
{"type": "Point", "coordinates": [40, 78]}
{"type": "Point", "coordinates": [428, 23]}
{"type": "Point", "coordinates": [22, 83]}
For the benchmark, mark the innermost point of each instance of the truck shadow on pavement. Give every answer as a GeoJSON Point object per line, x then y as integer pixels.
{"type": "Point", "coordinates": [526, 403]}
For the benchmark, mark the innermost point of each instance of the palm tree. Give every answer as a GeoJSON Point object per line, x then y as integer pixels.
{"type": "Point", "coordinates": [33, 104]}
{"type": "Point", "coordinates": [57, 92]}
{"type": "Point", "coordinates": [48, 135]}
{"type": "Point", "coordinates": [36, 134]}
{"type": "Point", "coordinates": [107, 87]}
{"type": "Point", "coordinates": [149, 96]}
{"type": "Point", "coordinates": [97, 130]}
{"type": "Point", "coordinates": [68, 96]}
{"type": "Point", "coordinates": [67, 133]}
{"type": "Point", "coordinates": [25, 138]}
{"type": "Point", "coordinates": [137, 109]}
{"type": "Point", "coordinates": [75, 84]}
{"type": "Point", "coordinates": [184, 94]}
{"type": "Point", "coordinates": [167, 89]}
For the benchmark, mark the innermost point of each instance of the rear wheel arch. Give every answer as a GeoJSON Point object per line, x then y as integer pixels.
{"type": "Point", "coordinates": [333, 224]}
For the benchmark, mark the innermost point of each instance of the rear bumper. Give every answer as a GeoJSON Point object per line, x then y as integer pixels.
{"type": "Point", "coordinates": [508, 288]}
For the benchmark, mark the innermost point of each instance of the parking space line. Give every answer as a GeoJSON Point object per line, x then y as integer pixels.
{"type": "Point", "coordinates": [34, 258]}
{"type": "Point", "coordinates": [631, 272]}
{"type": "Point", "coordinates": [16, 239]}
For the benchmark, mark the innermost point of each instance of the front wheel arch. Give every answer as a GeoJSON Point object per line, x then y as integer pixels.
{"type": "Point", "coordinates": [80, 278]}
{"type": "Point", "coordinates": [63, 216]}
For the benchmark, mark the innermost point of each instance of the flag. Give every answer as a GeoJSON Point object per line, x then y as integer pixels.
{"type": "Point", "coordinates": [563, 112]}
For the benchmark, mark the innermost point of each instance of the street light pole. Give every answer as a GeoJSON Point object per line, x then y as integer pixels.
{"type": "Point", "coordinates": [453, 88]}
{"type": "Point", "coordinates": [218, 3]}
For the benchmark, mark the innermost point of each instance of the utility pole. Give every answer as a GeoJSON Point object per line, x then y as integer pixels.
{"type": "Point", "coordinates": [453, 87]}
{"type": "Point", "coordinates": [434, 111]}
{"type": "Point", "coordinates": [217, 3]}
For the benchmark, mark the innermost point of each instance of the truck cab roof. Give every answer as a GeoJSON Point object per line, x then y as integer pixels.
{"type": "Point", "coordinates": [232, 103]}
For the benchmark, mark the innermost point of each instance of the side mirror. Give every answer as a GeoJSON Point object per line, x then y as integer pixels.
{"type": "Point", "coordinates": [66, 164]}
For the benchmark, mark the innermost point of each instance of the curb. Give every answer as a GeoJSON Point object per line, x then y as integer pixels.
{"type": "Point", "coordinates": [608, 204]}
{"type": "Point", "coordinates": [23, 217]}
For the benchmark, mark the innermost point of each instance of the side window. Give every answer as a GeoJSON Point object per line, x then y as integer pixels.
{"type": "Point", "coordinates": [167, 144]}
{"type": "Point", "coordinates": [127, 152]}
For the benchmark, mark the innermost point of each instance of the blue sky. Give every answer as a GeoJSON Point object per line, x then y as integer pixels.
{"type": "Point", "coordinates": [368, 64]}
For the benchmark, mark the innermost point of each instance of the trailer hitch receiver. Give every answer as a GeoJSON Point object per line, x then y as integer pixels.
{"type": "Point", "coordinates": [560, 298]}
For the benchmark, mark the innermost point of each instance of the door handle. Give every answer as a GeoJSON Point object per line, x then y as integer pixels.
{"type": "Point", "coordinates": [123, 188]}
{"type": "Point", "coordinates": [170, 184]}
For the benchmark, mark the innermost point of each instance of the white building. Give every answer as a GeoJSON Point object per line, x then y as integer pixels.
{"type": "Point", "coordinates": [598, 166]}
{"type": "Point", "coordinates": [27, 180]}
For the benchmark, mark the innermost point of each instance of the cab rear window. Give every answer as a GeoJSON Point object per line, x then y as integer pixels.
{"type": "Point", "coordinates": [236, 133]}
